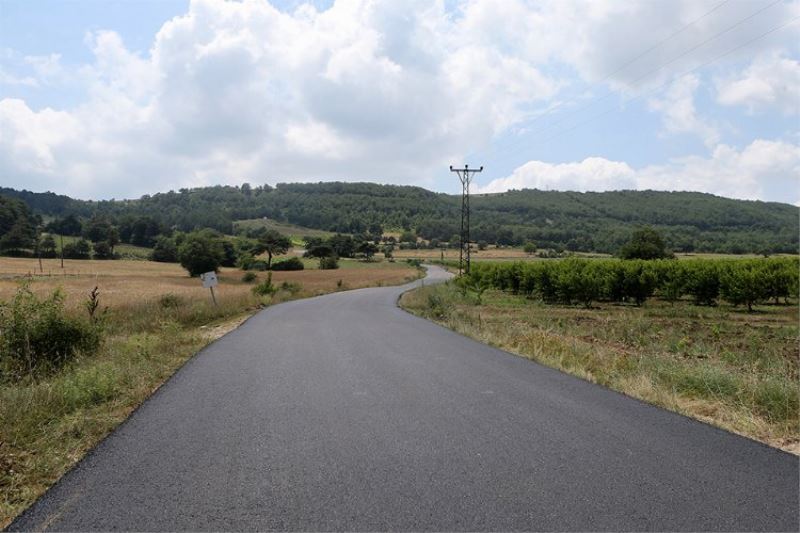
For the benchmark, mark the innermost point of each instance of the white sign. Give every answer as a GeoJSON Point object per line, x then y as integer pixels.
{"type": "Point", "coordinates": [209, 279]}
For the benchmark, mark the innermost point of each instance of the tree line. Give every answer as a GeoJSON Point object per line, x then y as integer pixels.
{"type": "Point", "coordinates": [584, 281]}
{"type": "Point", "coordinates": [571, 221]}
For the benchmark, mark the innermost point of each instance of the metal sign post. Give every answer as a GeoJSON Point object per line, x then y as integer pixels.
{"type": "Point", "coordinates": [210, 281]}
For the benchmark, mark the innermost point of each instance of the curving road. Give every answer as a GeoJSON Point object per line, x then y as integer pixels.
{"type": "Point", "coordinates": [343, 412]}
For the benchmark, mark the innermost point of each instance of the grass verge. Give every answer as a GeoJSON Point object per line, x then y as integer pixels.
{"type": "Point", "coordinates": [723, 366]}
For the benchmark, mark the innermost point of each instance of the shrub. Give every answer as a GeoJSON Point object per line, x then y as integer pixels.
{"type": "Point", "coordinates": [291, 287]}
{"type": "Point", "coordinates": [265, 288]}
{"type": "Point", "coordinates": [249, 277]}
{"type": "Point", "coordinates": [170, 301]}
{"type": "Point", "coordinates": [293, 263]}
{"type": "Point", "coordinates": [258, 265]}
{"type": "Point", "coordinates": [414, 262]}
{"type": "Point", "coordinates": [37, 335]}
{"type": "Point", "coordinates": [328, 263]}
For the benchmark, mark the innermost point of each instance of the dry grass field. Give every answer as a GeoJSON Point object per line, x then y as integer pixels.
{"type": "Point", "coordinates": [128, 281]}
{"type": "Point", "coordinates": [154, 318]}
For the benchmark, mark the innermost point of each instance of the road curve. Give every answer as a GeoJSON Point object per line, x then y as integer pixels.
{"type": "Point", "coordinates": [344, 412]}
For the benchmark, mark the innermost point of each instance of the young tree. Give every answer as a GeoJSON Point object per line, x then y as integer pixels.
{"type": "Point", "coordinates": [529, 248]}
{"type": "Point", "coordinates": [273, 243]}
{"type": "Point", "coordinates": [201, 251]}
{"type": "Point", "coordinates": [645, 243]}
{"type": "Point", "coordinates": [743, 283]}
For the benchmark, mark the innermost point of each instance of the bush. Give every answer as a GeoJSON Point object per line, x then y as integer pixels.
{"type": "Point", "coordinates": [414, 262]}
{"type": "Point", "coordinates": [291, 287]}
{"type": "Point", "coordinates": [329, 263]}
{"type": "Point", "coordinates": [249, 277]}
{"type": "Point", "coordinates": [170, 301]}
{"type": "Point", "coordinates": [265, 288]}
{"type": "Point", "coordinates": [293, 263]}
{"type": "Point", "coordinates": [37, 335]}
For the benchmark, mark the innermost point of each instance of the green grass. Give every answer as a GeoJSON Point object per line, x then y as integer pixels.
{"type": "Point", "coordinates": [719, 364]}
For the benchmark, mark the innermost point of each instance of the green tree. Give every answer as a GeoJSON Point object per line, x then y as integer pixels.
{"type": "Point", "coordinates": [368, 249]}
{"type": "Point", "coordinates": [21, 237]}
{"type": "Point", "coordinates": [79, 249]}
{"type": "Point", "coordinates": [529, 248]}
{"type": "Point", "coordinates": [273, 243]}
{"type": "Point", "coordinates": [165, 250]}
{"type": "Point", "coordinates": [743, 283]}
{"type": "Point", "coordinates": [102, 250]}
{"type": "Point", "coordinates": [645, 243]}
{"type": "Point", "coordinates": [200, 252]}
{"type": "Point", "coordinates": [69, 225]}
{"type": "Point", "coordinates": [97, 229]}
{"type": "Point", "coordinates": [112, 238]}
{"type": "Point", "coordinates": [47, 246]}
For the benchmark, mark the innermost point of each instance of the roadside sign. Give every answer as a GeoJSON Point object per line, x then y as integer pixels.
{"type": "Point", "coordinates": [209, 280]}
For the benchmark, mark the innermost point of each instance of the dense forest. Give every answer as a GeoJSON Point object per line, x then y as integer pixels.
{"type": "Point", "coordinates": [599, 222]}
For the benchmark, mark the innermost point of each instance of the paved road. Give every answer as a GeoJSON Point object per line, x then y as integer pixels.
{"type": "Point", "coordinates": [344, 412]}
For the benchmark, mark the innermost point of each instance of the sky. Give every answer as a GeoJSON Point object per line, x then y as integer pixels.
{"type": "Point", "coordinates": [116, 99]}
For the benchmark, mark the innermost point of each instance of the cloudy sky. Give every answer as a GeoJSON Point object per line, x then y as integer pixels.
{"type": "Point", "coordinates": [103, 98]}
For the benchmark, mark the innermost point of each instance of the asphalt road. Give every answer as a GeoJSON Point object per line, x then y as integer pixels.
{"type": "Point", "coordinates": [343, 412]}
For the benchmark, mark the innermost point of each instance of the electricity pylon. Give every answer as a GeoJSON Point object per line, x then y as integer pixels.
{"type": "Point", "coordinates": [465, 175]}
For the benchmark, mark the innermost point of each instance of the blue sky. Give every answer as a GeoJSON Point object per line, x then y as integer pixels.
{"type": "Point", "coordinates": [102, 99]}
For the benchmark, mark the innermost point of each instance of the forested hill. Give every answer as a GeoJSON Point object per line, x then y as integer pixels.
{"type": "Point", "coordinates": [571, 220]}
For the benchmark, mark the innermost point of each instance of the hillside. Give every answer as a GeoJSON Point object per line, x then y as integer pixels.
{"type": "Point", "coordinates": [577, 221]}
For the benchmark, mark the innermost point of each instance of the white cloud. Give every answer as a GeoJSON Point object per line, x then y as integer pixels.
{"type": "Point", "coordinates": [762, 170]}
{"type": "Point", "coordinates": [591, 174]}
{"type": "Point", "coordinates": [368, 89]}
{"type": "Point", "coordinates": [679, 112]}
{"type": "Point", "coordinates": [240, 90]}
{"type": "Point", "coordinates": [770, 81]}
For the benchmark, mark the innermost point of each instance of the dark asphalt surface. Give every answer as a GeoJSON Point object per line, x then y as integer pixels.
{"type": "Point", "coordinates": [343, 412]}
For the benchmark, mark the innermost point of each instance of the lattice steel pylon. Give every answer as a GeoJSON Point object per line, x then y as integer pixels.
{"type": "Point", "coordinates": [465, 175]}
